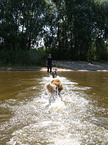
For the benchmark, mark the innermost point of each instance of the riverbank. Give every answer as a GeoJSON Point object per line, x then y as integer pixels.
{"type": "Point", "coordinates": [64, 66]}
{"type": "Point", "coordinates": [31, 69]}
{"type": "Point", "coordinates": [82, 65]}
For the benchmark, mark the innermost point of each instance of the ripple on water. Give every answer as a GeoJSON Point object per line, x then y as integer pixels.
{"type": "Point", "coordinates": [61, 122]}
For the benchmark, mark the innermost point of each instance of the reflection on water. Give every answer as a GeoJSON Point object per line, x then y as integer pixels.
{"type": "Point", "coordinates": [81, 118]}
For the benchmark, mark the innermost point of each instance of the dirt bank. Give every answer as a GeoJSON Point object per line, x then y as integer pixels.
{"type": "Point", "coordinates": [82, 66]}
{"type": "Point", "coordinates": [64, 66]}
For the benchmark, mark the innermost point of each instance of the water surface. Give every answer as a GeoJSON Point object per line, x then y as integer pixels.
{"type": "Point", "coordinates": [80, 118]}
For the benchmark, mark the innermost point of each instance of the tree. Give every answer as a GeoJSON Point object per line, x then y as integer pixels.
{"type": "Point", "coordinates": [74, 26]}
{"type": "Point", "coordinates": [28, 14]}
{"type": "Point", "coordinates": [86, 20]}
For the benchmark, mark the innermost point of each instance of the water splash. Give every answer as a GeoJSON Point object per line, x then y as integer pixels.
{"type": "Point", "coordinates": [62, 122]}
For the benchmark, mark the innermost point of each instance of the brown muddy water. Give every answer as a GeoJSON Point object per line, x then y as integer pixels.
{"type": "Point", "coordinates": [27, 118]}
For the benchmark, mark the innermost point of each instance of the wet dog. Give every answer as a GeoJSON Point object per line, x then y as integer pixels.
{"type": "Point", "coordinates": [54, 73]}
{"type": "Point", "coordinates": [54, 88]}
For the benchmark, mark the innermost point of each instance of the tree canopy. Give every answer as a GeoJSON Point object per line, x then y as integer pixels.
{"type": "Point", "coordinates": [71, 29]}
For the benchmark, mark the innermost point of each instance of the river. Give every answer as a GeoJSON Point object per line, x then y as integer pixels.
{"type": "Point", "coordinates": [27, 118]}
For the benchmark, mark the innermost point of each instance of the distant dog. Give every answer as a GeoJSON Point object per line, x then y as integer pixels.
{"type": "Point", "coordinates": [55, 87]}
{"type": "Point", "coordinates": [54, 73]}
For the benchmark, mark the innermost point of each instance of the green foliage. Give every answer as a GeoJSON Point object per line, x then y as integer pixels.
{"type": "Point", "coordinates": [83, 22]}
{"type": "Point", "coordinates": [21, 57]}
{"type": "Point", "coordinates": [71, 29]}
{"type": "Point", "coordinates": [26, 16]}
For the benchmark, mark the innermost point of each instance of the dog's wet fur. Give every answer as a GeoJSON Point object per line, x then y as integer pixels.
{"type": "Point", "coordinates": [54, 88]}
{"type": "Point", "coordinates": [54, 73]}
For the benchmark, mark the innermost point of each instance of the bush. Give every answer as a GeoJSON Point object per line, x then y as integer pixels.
{"type": "Point", "coordinates": [22, 57]}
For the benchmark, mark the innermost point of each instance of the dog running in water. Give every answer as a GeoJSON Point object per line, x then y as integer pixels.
{"type": "Point", "coordinates": [54, 73]}
{"type": "Point", "coordinates": [55, 87]}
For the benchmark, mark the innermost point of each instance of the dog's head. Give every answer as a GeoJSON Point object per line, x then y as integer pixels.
{"type": "Point", "coordinates": [58, 84]}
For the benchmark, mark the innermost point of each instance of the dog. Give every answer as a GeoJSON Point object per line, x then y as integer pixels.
{"type": "Point", "coordinates": [54, 88]}
{"type": "Point", "coordinates": [54, 73]}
